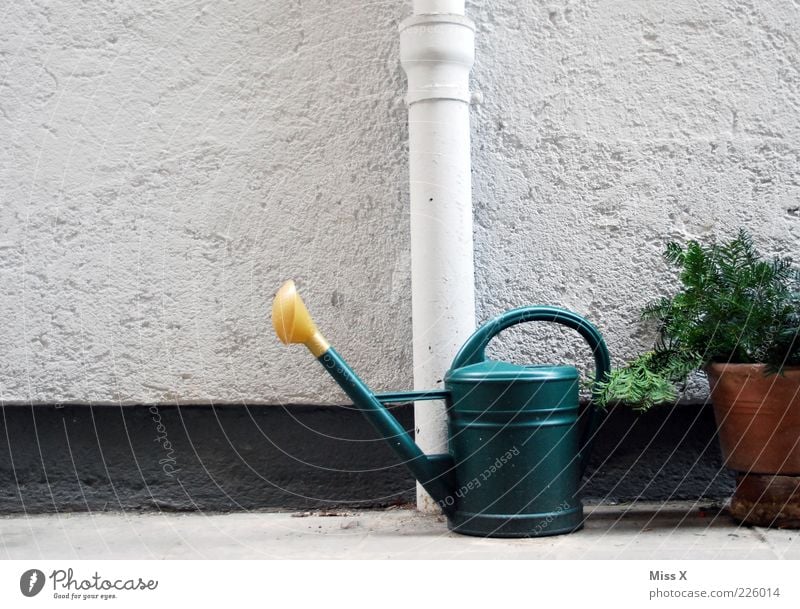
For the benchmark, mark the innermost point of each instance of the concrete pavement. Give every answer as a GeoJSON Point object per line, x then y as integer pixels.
{"type": "Point", "coordinates": [638, 531]}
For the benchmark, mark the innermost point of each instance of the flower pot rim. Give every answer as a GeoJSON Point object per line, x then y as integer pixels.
{"type": "Point", "coordinates": [742, 366]}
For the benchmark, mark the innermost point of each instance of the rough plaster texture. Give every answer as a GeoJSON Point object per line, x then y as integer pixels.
{"type": "Point", "coordinates": [608, 128]}
{"type": "Point", "coordinates": [166, 165]}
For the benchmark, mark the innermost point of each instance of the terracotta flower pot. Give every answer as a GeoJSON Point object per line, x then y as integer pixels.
{"type": "Point", "coordinates": [758, 419]}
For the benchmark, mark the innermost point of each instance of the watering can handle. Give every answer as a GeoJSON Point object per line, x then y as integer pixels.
{"type": "Point", "coordinates": [473, 351]}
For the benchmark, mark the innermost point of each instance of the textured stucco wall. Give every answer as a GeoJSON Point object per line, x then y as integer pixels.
{"type": "Point", "coordinates": [608, 128]}
{"type": "Point", "coordinates": [166, 165]}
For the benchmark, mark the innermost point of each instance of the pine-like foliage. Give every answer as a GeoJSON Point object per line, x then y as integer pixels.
{"type": "Point", "coordinates": [733, 306]}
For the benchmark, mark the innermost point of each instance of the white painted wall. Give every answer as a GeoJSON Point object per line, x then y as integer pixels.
{"type": "Point", "coordinates": [164, 166]}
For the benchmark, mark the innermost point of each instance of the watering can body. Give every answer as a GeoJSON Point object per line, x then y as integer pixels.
{"type": "Point", "coordinates": [514, 437]}
{"type": "Point", "coordinates": [518, 439]}
{"type": "Point", "coordinates": [517, 434]}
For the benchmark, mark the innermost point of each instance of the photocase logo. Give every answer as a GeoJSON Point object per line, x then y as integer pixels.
{"type": "Point", "coordinates": [67, 586]}
{"type": "Point", "coordinates": [31, 582]}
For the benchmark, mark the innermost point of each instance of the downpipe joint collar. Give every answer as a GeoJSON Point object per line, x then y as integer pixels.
{"type": "Point", "coordinates": [437, 53]}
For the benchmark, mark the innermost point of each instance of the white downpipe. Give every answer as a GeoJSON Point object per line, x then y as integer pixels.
{"type": "Point", "coordinates": [437, 49]}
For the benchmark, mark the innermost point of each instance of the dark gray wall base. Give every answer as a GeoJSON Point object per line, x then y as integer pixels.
{"type": "Point", "coordinates": [669, 453]}
{"type": "Point", "coordinates": [298, 457]}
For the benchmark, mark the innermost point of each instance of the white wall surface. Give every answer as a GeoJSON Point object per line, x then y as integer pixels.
{"type": "Point", "coordinates": [164, 166]}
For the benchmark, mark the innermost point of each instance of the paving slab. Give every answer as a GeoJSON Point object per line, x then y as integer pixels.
{"type": "Point", "coordinates": [637, 531]}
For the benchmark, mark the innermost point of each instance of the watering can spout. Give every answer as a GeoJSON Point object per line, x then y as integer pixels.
{"type": "Point", "coordinates": [293, 325]}
{"type": "Point", "coordinates": [292, 321]}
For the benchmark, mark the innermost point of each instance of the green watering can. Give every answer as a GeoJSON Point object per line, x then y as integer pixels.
{"type": "Point", "coordinates": [516, 455]}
